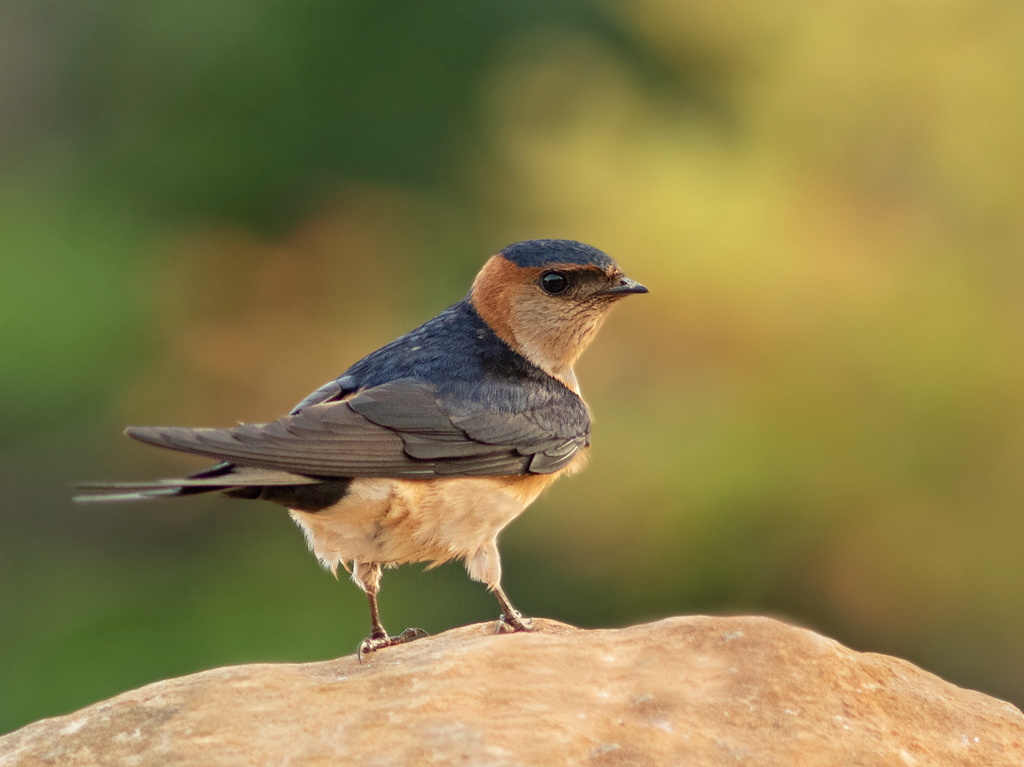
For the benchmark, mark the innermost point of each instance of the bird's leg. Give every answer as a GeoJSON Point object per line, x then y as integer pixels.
{"type": "Point", "coordinates": [484, 565]}
{"type": "Point", "coordinates": [376, 627]}
{"type": "Point", "coordinates": [368, 577]}
{"type": "Point", "coordinates": [511, 619]}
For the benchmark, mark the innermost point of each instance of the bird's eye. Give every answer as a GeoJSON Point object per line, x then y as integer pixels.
{"type": "Point", "coordinates": [554, 282]}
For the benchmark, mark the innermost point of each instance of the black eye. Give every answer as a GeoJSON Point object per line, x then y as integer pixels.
{"type": "Point", "coordinates": [553, 282]}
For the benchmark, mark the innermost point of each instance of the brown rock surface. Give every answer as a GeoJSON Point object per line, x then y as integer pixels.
{"type": "Point", "coordinates": [693, 691]}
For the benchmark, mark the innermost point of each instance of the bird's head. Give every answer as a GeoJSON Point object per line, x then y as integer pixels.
{"type": "Point", "coordinates": [547, 298]}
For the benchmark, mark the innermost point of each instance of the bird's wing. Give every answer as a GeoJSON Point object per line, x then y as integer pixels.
{"type": "Point", "coordinates": [398, 429]}
{"type": "Point", "coordinates": [329, 392]}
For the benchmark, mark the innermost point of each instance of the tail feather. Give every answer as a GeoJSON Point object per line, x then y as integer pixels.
{"type": "Point", "coordinates": [223, 478]}
{"type": "Point", "coordinates": [123, 495]}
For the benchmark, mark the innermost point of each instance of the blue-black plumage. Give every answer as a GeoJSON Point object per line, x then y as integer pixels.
{"type": "Point", "coordinates": [541, 253]}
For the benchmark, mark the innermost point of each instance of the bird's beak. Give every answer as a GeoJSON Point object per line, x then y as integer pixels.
{"type": "Point", "coordinates": [624, 287]}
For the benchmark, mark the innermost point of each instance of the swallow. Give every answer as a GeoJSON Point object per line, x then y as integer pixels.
{"type": "Point", "coordinates": [426, 449]}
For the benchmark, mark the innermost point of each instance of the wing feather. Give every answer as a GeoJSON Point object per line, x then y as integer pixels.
{"type": "Point", "coordinates": [397, 429]}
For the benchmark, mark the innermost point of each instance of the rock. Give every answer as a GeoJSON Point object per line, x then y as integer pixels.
{"type": "Point", "coordinates": [693, 691]}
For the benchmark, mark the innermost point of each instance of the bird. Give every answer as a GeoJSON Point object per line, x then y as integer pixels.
{"type": "Point", "coordinates": [424, 450]}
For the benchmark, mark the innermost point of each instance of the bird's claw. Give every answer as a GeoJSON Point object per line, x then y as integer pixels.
{"type": "Point", "coordinates": [374, 643]}
{"type": "Point", "coordinates": [514, 622]}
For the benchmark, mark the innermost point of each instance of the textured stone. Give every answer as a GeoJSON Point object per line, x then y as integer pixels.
{"type": "Point", "coordinates": [687, 691]}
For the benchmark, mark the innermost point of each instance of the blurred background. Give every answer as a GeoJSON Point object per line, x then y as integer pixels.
{"type": "Point", "coordinates": [208, 209]}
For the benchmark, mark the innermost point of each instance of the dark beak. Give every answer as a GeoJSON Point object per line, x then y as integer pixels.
{"type": "Point", "coordinates": [624, 287]}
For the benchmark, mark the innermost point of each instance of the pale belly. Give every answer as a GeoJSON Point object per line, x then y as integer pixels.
{"type": "Point", "coordinates": [394, 521]}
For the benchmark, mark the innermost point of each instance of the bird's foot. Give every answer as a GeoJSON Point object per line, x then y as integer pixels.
{"type": "Point", "coordinates": [382, 640]}
{"type": "Point", "coordinates": [512, 622]}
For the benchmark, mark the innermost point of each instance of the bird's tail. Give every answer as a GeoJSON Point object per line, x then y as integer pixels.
{"type": "Point", "coordinates": [123, 492]}
{"type": "Point", "coordinates": [284, 488]}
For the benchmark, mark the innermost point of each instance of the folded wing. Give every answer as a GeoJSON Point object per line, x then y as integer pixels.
{"type": "Point", "coordinates": [398, 429]}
